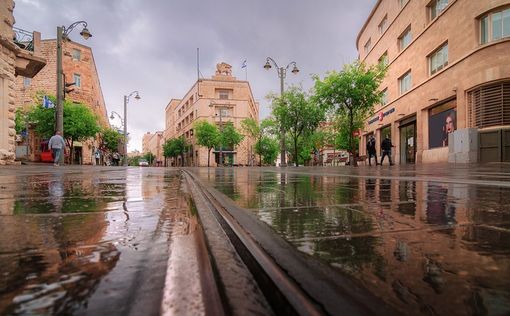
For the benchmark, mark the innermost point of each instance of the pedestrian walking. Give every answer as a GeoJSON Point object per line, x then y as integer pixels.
{"type": "Point", "coordinates": [97, 155]}
{"type": "Point", "coordinates": [371, 151]}
{"type": "Point", "coordinates": [386, 146]}
{"type": "Point", "coordinates": [116, 158]}
{"type": "Point", "coordinates": [57, 145]}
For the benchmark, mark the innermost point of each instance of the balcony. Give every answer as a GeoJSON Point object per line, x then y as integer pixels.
{"type": "Point", "coordinates": [26, 47]}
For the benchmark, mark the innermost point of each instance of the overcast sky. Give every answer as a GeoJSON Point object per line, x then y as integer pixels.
{"type": "Point", "coordinates": [150, 45]}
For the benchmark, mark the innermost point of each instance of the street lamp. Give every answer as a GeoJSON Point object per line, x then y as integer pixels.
{"type": "Point", "coordinates": [282, 73]}
{"type": "Point", "coordinates": [119, 116]}
{"type": "Point", "coordinates": [63, 34]}
{"type": "Point", "coordinates": [220, 160]}
{"type": "Point", "coordinates": [126, 101]}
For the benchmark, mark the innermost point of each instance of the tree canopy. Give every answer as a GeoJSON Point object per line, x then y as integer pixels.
{"type": "Point", "coordinates": [353, 92]}
{"type": "Point", "coordinates": [298, 115]}
{"type": "Point", "coordinates": [175, 147]}
{"type": "Point", "coordinates": [207, 135]}
{"type": "Point", "coordinates": [111, 138]}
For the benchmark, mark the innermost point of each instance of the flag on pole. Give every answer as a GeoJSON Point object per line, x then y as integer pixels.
{"type": "Point", "coordinates": [47, 104]}
{"type": "Point", "coordinates": [244, 64]}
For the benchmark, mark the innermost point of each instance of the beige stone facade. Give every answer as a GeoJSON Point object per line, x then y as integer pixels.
{"type": "Point", "coordinates": [153, 143]}
{"type": "Point", "coordinates": [14, 61]}
{"type": "Point", "coordinates": [222, 97]}
{"type": "Point", "coordinates": [78, 66]}
{"type": "Point", "coordinates": [439, 54]}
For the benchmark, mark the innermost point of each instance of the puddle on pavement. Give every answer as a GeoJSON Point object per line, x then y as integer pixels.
{"type": "Point", "coordinates": [426, 247]}
{"type": "Point", "coordinates": [70, 245]}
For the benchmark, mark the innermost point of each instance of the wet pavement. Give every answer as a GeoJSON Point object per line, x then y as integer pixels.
{"type": "Point", "coordinates": [91, 240]}
{"type": "Point", "coordinates": [431, 239]}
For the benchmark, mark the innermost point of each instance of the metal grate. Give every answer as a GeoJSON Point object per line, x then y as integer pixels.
{"type": "Point", "coordinates": [489, 105]}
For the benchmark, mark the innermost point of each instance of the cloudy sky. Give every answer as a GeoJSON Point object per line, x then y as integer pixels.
{"type": "Point", "coordinates": [150, 45]}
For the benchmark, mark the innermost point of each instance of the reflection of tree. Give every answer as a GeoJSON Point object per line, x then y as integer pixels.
{"type": "Point", "coordinates": [225, 183]}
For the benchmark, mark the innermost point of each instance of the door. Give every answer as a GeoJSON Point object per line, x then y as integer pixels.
{"type": "Point", "coordinates": [408, 143]}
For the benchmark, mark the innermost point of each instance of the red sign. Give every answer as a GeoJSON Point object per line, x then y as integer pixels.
{"type": "Point", "coordinates": [381, 116]}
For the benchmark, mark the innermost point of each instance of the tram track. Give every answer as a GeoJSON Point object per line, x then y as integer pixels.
{"type": "Point", "coordinates": [291, 283]}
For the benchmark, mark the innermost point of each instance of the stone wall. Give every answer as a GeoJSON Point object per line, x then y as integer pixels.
{"type": "Point", "coordinates": [7, 70]}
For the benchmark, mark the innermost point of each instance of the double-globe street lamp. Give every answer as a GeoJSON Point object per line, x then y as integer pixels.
{"type": "Point", "coordinates": [282, 73]}
{"type": "Point", "coordinates": [126, 101]}
{"type": "Point", "coordinates": [63, 34]}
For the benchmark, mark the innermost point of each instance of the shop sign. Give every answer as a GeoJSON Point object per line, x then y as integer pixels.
{"type": "Point", "coordinates": [381, 116]}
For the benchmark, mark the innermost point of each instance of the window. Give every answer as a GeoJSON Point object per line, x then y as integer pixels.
{"type": "Point", "coordinates": [27, 82]}
{"type": "Point", "coordinates": [223, 94]}
{"type": "Point", "coordinates": [439, 59]}
{"type": "Point", "coordinates": [405, 82]}
{"type": "Point", "coordinates": [76, 54]}
{"type": "Point", "coordinates": [488, 105]}
{"type": "Point", "coordinates": [383, 60]}
{"type": "Point", "coordinates": [368, 45]}
{"type": "Point", "coordinates": [77, 80]}
{"type": "Point", "coordinates": [495, 26]}
{"type": "Point", "coordinates": [405, 38]}
{"type": "Point", "coordinates": [383, 25]}
{"type": "Point", "coordinates": [223, 112]}
{"type": "Point", "coordinates": [436, 7]}
{"type": "Point", "coordinates": [384, 97]}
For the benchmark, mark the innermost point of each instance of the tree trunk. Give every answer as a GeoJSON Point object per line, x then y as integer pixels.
{"type": "Point", "coordinates": [209, 158]}
{"type": "Point", "coordinates": [354, 163]}
{"type": "Point", "coordinates": [296, 152]}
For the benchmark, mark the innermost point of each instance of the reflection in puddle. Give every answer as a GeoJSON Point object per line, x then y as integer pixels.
{"type": "Point", "coordinates": [423, 247]}
{"type": "Point", "coordinates": [71, 244]}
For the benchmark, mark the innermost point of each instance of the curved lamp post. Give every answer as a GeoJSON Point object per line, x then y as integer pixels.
{"type": "Point", "coordinates": [126, 101]}
{"type": "Point", "coordinates": [63, 34]}
{"type": "Point", "coordinates": [282, 73]}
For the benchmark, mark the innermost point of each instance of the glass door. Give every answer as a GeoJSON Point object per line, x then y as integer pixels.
{"type": "Point", "coordinates": [408, 143]}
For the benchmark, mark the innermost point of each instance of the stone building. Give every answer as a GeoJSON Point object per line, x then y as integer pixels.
{"type": "Point", "coordinates": [447, 90]}
{"type": "Point", "coordinates": [79, 67]}
{"type": "Point", "coordinates": [153, 143]}
{"type": "Point", "coordinates": [18, 57]}
{"type": "Point", "coordinates": [223, 99]}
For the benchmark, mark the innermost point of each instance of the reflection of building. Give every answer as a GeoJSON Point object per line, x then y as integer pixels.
{"type": "Point", "coordinates": [153, 143]}
{"type": "Point", "coordinates": [448, 68]}
{"type": "Point", "coordinates": [221, 98]}
{"type": "Point", "coordinates": [19, 56]}
{"type": "Point", "coordinates": [78, 67]}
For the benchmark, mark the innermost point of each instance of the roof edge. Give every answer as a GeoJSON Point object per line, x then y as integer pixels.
{"type": "Point", "coordinates": [366, 22]}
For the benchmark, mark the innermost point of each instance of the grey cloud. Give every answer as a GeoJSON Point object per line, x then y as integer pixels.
{"type": "Point", "coordinates": [150, 46]}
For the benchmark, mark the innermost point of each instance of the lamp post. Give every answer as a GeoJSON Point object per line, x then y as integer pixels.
{"type": "Point", "coordinates": [282, 73]}
{"type": "Point", "coordinates": [63, 34]}
{"type": "Point", "coordinates": [121, 124]}
{"type": "Point", "coordinates": [126, 101]}
{"type": "Point", "coordinates": [220, 160]}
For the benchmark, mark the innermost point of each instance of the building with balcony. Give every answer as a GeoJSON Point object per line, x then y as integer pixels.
{"type": "Point", "coordinates": [79, 68]}
{"type": "Point", "coordinates": [218, 100]}
{"type": "Point", "coordinates": [447, 89]}
{"type": "Point", "coordinates": [19, 56]}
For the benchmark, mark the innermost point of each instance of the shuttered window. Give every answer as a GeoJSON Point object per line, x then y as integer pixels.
{"type": "Point", "coordinates": [489, 105]}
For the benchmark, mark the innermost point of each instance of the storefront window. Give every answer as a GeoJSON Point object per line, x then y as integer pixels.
{"type": "Point", "coordinates": [442, 121]}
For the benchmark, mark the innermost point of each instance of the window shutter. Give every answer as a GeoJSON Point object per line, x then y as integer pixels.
{"type": "Point", "coordinates": [489, 105]}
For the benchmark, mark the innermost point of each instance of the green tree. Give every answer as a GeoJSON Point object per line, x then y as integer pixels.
{"type": "Point", "coordinates": [298, 115]}
{"type": "Point", "coordinates": [111, 138]}
{"type": "Point", "coordinates": [207, 135]}
{"type": "Point", "coordinates": [230, 137]}
{"type": "Point", "coordinates": [20, 120]}
{"type": "Point", "coordinates": [175, 147]}
{"type": "Point", "coordinates": [253, 129]}
{"type": "Point", "coordinates": [150, 157]}
{"type": "Point", "coordinates": [353, 93]}
{"type": "Point", "coordinates": [267, 147]}
{"type": "Point", "coordinates": [134, 161]}
{"type": "Point", "coordinates": [80, 123]}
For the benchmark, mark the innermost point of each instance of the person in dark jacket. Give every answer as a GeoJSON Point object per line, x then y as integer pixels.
{"type": "Point", "coordinates": [371, 150]}
{"type": "Point", "coordinates": [386, 149]}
